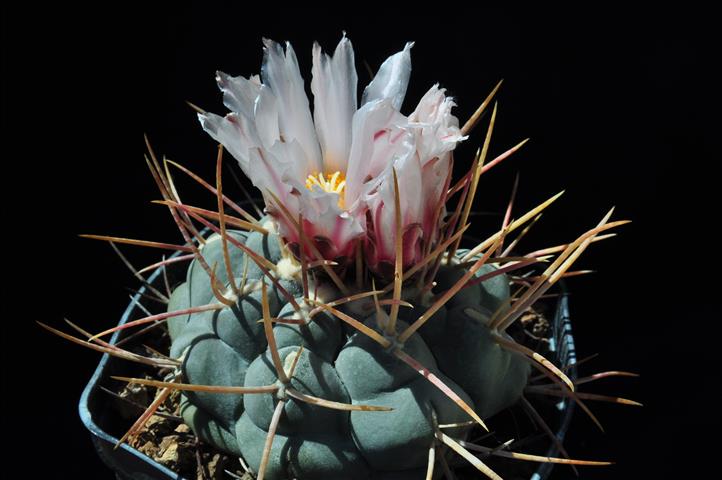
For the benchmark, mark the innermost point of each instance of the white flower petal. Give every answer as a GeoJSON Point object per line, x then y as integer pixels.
{"type": "Point", "coordinates": [334, 86]}
{"type": "Point", "coordinates": [281, 74]}
{"type": "Point", "coordinates": [268, 172]}
{"type": "Point", "coordinates": [285, 157]}
{"type": "Point", "coordinates": [392, 79]}
{"type": "Point", "coordinates": [437, 130]}
{"type": "Point", "coordinates": [266, 116]}
{"type": "Point", "coordinates": [235, 132]}
{"type": "Point", "coordinates": [239, 93]}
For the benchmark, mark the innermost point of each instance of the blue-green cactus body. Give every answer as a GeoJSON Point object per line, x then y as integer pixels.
{"type": "Point", "coordinates": [228, 347]}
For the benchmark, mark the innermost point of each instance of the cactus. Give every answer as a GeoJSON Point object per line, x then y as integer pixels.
{"type": "Point", "coordinates": [345, 334]}
{"type": "Point", "coordinates": [387, 423]}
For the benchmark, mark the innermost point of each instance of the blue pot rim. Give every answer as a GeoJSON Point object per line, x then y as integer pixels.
{"type": "Point", "coordinates": [86, 415]}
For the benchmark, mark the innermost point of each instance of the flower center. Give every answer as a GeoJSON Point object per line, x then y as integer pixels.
{"type": "Point", "coordinates": [332, 182]}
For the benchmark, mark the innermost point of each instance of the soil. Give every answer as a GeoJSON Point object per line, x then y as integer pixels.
{"type": "Point", "coordinates": [169, 441]}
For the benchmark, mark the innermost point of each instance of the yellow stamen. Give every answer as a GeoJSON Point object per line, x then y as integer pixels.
{"type": "Point", "coordinates": [332, 182]}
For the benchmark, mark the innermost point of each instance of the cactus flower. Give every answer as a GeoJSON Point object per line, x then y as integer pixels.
{"type": "Point", "coordinates": [334, 167]}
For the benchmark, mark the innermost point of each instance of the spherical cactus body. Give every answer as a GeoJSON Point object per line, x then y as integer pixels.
{"type": "Point", "coordinates": [337, 363]}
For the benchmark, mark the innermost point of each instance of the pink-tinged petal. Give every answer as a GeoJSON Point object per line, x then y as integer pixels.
{"type": "Point", "coordinates": [235, 132]}
{"type": "Point", "coordinates": [334, 230]}
{"type": "Point", "coordinates": [239, 93]}
{"type": "Point", "coordinates": [381, 204]}
{"type": "Point", "coordinates": [281, 74]}
{"type": "Point", "coordinates": [435, 180]}
{"type": "Point", "coordinates": [379, 136]}
{"type": "Point", "coordinates": [408, 171]}
{"type": "Point", "coordinates": [334, 86]}
{"type": "Point", "coordinates": [391, 80]}
{"type": "Point", "coordinates": [436, 133]}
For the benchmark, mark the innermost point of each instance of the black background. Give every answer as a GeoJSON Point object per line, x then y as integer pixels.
{"type": "Point", "coordinates": [618, 107]}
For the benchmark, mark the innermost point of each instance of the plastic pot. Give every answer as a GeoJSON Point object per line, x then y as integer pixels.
{"type": "Point", "coordinates": [99, 417]}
